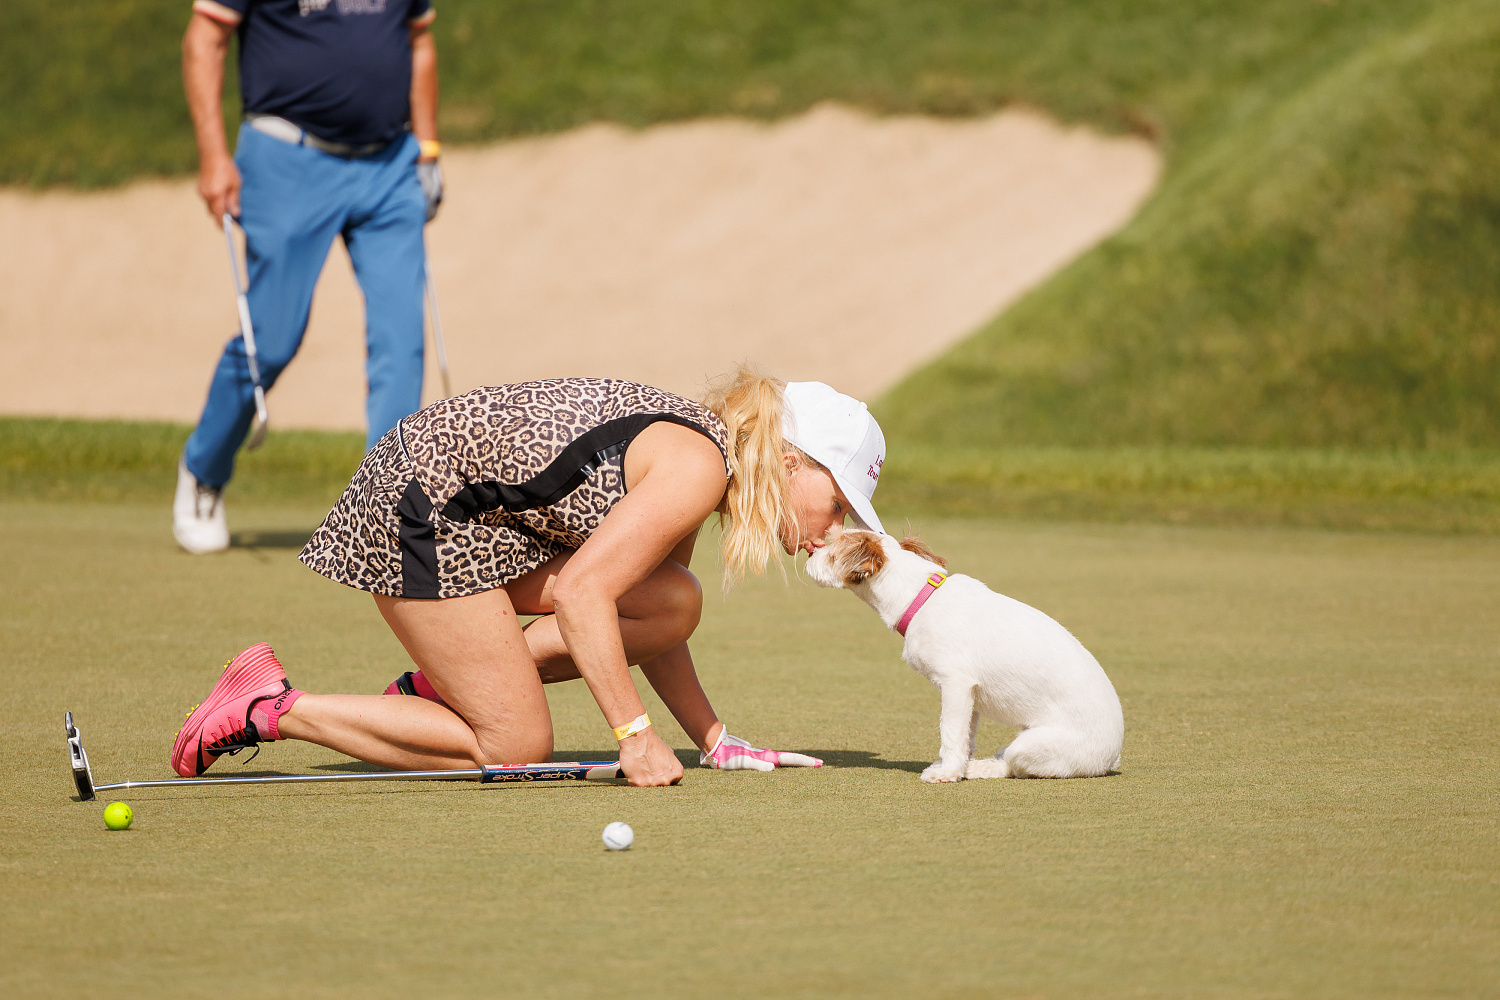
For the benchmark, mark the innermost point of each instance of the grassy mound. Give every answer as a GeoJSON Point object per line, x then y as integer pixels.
{"type": "Point", "coordinates": [1325, 272]}
{"type": "Point", "coordinates": [91, 94]}
{"type": "Point", "coordinates": [1321, 267]}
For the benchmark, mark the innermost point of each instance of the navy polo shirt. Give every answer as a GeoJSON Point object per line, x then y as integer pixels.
{"type": "Point", "coordinates": [341, 69]}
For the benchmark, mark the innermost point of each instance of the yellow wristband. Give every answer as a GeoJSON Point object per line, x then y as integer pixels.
{"type": "Point", "coordinates": [430, 148]}
{"type": "Point", "coordinates": [639, 725]}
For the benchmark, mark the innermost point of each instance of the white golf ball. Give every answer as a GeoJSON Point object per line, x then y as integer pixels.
{"type": "Point", "coordinates": [618, 836]}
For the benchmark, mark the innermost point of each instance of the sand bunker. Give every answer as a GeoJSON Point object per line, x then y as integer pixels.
{"type": "Point", "coordinates": [831, 246]}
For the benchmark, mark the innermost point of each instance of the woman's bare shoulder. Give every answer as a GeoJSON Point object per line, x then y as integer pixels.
{"type": "Point", "coordinates": [671, 448]}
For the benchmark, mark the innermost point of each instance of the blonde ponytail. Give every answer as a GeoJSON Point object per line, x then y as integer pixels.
{"type": "Point", "coordinates": [758, 513]}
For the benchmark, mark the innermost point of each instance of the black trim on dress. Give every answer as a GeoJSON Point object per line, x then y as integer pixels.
{"type": "Point", "coordinates": [419, 573]}
{"type": "Point", "coordinates": [579, 460]}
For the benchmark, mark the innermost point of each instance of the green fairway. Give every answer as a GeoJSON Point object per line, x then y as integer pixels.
{"type": "Point", "coordinates": [1307, 803]}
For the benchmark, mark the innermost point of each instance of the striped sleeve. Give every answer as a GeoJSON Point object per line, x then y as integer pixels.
{"type": "Point", "coordinates": [421, 14]}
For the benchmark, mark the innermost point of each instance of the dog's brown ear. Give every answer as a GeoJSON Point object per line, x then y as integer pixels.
{"type": "Point", "coordinates": [864, 558]}
{"type": "Point", "coordinates": [912, 543]}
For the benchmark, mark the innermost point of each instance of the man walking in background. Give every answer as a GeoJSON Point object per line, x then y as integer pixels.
{"type": "Point", "coordinates": [339, 138]}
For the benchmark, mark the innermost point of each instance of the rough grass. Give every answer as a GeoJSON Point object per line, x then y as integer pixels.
{"type": "Point", "coordinates": [114, 461]}
{"type": "Point", "coordinates": [1431, 492]}
{"type": "Point", "coordinates": [1306, 805]}
{"type": "Point", "coordinates": [1320, 269]}
{"type": "Point", "coordinates": [1324, 270]}
{"type": "Point", "coordinates": [92, 95]}
{"type": "Point", "coordinates": [1419, 491]}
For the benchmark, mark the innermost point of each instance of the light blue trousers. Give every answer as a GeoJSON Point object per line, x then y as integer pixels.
{"type": "Point", "coordinates": [295, 200]}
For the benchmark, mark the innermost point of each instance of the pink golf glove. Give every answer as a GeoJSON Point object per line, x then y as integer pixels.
{"type": "Point", "coordinates": [731, 753]}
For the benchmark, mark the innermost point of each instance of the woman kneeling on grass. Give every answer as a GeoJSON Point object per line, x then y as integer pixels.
{"type": "Point", "coordinates": [575, 499]}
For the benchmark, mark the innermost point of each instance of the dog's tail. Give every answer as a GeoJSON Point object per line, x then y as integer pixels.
{"type": "Point", "coordinates": [1053, 752]}
{"type": "Point", "coordinates": [988, 767]}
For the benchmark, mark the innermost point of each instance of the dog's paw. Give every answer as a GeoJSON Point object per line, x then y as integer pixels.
{"type": "Point", "coordinates": [938, 771]}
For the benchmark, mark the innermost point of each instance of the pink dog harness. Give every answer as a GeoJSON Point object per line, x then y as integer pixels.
{"type": "Point", "coordinates": [934, 581]}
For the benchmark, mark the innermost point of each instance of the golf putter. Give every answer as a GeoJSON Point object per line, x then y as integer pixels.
{"type": "Point", "coordinates": [489, 774]}
{"type": "Point", "coordinates": [83, 777]}
{"type": "Point", "coordinates": [437, 332]}
{"type": "Point", "coordinates": [247, 331]}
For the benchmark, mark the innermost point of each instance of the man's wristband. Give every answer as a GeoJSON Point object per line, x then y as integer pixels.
{"type": "Point", "coordinates": [638, 725]}
{"type": "Point", "coordinates": [430, 149]}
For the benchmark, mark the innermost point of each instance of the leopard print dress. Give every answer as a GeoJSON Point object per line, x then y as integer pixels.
{"type": "Point", "coordinates": [475, 491]}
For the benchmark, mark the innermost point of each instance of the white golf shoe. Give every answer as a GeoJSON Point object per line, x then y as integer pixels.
{"type": "Point", "coordinates": [198, 515]}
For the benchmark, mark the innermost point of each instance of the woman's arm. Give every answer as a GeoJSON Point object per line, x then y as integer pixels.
{"type": "Point", "coordinates": [675, 680]}
{"type": "Point", "coordinates": [675, 477]}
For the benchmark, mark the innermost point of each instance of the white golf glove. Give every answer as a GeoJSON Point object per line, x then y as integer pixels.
{"type": "Point", "coordinates": [730, 753]}
{"type": "Point", "coordinates": [430, 175]}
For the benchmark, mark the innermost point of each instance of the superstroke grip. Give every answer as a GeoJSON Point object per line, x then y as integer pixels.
{"type": "Point", "coordinates": [586, 770]}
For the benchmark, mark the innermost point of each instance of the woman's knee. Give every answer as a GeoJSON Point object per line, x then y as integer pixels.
{"type": "Point", "coordinates": [514, 745]}
{"type": "Point", "coordinates": [670, 598]}
{"type": "Point", "coordinates": [680, 601]}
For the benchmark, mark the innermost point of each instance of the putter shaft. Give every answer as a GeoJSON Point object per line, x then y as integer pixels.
{"type": "Point", "coordinates": [591, 770]}
{"type": "Point", "coordinates": [469, 774]}
{"type": "Point", "coordinates": [585, 770]}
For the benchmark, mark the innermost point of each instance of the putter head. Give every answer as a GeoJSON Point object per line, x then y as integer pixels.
{"type": "Point", "coordinates": [257, 435]}
{"type": "Point", "coordinates": [260, 423]}
{"type": "Point", "coordinates": [83, 777]}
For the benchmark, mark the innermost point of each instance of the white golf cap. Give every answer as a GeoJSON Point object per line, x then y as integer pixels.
{"type": "Point", "coordinates": [838, 431]}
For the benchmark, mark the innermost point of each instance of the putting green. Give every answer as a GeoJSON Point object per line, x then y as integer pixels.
{"type": "Point", "coordinates": [1307, 804]}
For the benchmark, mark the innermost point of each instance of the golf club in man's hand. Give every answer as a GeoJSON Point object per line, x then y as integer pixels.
{"type": "Point", "coordinates": [247, 331]}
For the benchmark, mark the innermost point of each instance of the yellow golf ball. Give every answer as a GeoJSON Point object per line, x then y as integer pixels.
{"type": "Point", "coordinates": [117, 816]}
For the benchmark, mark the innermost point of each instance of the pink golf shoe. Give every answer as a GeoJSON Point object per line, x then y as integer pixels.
{"type": "Point", "coordinates": [241, 711]}
{"type": "Point", "coordinates": [412, 682]}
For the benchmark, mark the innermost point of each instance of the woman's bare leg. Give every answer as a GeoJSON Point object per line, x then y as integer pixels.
{"type": "Point", "coordinates": [472, 651]}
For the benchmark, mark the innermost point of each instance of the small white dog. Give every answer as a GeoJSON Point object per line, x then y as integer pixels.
{"type": "Point", "coordinates": [987, 654]}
